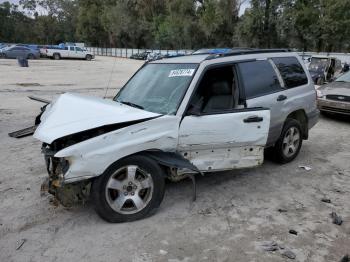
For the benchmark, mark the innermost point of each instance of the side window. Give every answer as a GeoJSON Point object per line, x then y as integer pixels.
{"type": "Point", "coordinates": [65, 48]}
{"type": "Point", "coordinates": [217, 92]}
{"type": "Point", "coordinates": [79, 49]}
{"type": "Point", "coordinates": [258, 78]}
{"type": "Point", "coordinates": [71, 48]}
{"type": "Point", "coordinates": [291, 71]}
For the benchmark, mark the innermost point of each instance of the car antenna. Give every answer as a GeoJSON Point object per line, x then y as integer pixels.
{"type": "Point", "coordinates": [110, 78]}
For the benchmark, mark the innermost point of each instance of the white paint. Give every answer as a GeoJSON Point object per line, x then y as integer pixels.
{"type": "Point", "coordinates": [91, 157]}
{"type": "Point", "coordinates": [71, 52]}
{"type": "Point", "coordinates": [72, 113]}
{"type": "Point", "coordinates": [236, 144]}
{"type": "Point", "coordinates": [163, 252]}
{"type": "Point", "coordinates": [181, 72]}
{"type": "Point", "coordinates": [224, 141]}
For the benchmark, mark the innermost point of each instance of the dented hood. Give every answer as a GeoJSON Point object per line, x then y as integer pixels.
{"type": "Point", "coordinates": [72, 113]}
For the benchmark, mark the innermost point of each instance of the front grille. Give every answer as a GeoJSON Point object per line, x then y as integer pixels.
{"type": "Point", "coordinates": [338, 98]}
{"type": "Point", "coordinates": [336, 110]}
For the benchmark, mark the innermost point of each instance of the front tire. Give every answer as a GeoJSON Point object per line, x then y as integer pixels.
{"type": "Point", "coordinates": [130, 189]}
{"type": "Point", "coordinates": [288, 145]}
{"type": "Point", "coordinates": [88, 57]}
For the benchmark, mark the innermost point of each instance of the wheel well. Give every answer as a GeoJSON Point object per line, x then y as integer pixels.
{"type": "Point", "coordinates": [301, 117]}
{"type": "Point", "coordinates": [57, 54]}
{"type": "Point", "coordinates": [166, 160]}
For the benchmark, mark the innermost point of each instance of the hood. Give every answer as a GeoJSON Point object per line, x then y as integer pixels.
{"type": "Point", "coordinates": [336, 88]}
{"type": "Point", "coordinates": [72, 113]}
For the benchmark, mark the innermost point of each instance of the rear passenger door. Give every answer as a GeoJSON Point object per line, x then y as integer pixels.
{"type": "Point", "coordinates": [300, 91]}
{"type": "Point", "coordinates": [72, 52]}
{"type": "Point", "coordinates": [263, 87]}
{"type": "Point", "coordinates": [293, 92]}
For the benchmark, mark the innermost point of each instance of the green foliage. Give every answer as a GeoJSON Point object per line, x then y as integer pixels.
{"type": "Point", "coordinates": [321, 25]}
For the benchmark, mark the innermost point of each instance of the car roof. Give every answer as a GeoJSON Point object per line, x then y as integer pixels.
{"type": "Point", "coordinates": [190, 59]}
{"type": "Point", "coordinates": [225, 57]}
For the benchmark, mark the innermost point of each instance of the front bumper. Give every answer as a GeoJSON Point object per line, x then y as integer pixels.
{"type": "Point", "coordinates": [55, 168]}
{"type": "Point", "coordinates": [332, 106]}
{"type": "Point", "coordinates": [68, 194]}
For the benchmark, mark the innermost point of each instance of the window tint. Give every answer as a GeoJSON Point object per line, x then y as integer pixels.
{"type": "Point", "coordinates": [217, 91]}
{"type": "Point", "coordinates": [258, 78]}
{"type": "Point", "coordinates": [71, 48]}
{"type": "Point", "coordinates": [291, 71]}
{"type": "Point", "coordinates": [78, 49]}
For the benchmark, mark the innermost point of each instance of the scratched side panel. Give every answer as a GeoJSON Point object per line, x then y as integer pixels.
{"type": "Point", "coordinates": [91, 157]}
{"type": "Point", "coordinates": [224, 141]}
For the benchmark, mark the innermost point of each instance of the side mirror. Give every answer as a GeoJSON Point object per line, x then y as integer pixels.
{"type": "Point", "coordinates": [196, 108]}
{"type": "Point", "coordinates": [194, 111]}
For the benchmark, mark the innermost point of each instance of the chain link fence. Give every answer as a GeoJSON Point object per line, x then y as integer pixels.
{"type": "Point", "coordinates": [127, 52]}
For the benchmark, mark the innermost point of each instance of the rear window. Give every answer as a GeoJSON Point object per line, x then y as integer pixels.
{"type": "Point", "coordinates": [259, 78]}
{"type": "Point", "coordinates": [291, 71]}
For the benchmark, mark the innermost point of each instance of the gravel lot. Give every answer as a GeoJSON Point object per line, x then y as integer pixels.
{"type": "Point", "coordinates": [234, 216]}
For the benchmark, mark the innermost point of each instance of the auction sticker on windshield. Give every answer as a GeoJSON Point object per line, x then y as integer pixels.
{"type": "Point", "coordinates": [181, 72]}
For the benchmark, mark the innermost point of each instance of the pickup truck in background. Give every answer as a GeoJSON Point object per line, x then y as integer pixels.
{"type": "Point", "coordinates": [68, 52]}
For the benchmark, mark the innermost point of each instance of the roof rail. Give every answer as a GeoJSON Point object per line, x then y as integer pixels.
{"type": "Point", "coordinates": [248, 52]}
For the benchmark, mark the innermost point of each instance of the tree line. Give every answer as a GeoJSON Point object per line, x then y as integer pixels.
{"type": "Point", "coordinates": [308, 25]}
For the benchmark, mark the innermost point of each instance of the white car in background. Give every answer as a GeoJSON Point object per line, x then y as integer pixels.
{"type": "Point", "coordinates": [75, 52]}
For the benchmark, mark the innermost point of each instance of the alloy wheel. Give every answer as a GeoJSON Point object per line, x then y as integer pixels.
{"type": "Point", "coordinates": [291, 142]}
{"type": "Point", "coordinates": [129, 189]}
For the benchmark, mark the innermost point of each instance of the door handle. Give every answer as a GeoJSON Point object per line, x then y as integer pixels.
{"type": "Point", "coordinates": [252, 119]}
{"type": "Point", "coordinates": [281, 98]}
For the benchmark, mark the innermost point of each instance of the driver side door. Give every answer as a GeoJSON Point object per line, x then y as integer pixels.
{"type": "Point", "coordinates": [222, 134]}
{"type": "Point", "coordinates": [225, 141]}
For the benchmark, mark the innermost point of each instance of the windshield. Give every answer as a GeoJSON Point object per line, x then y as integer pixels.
{"type": "Point", "coordinates": [318, 64]}
{"type": "Point", "coordinates": [344, 78]}
{"type": "Point", "coordinates": [158, 88]}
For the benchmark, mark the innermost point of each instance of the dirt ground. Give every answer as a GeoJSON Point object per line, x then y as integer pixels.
{"type": "Point", "coordinates": [235, 215]}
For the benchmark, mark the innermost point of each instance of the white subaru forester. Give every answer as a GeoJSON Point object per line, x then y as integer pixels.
{"type": "Point", "coordinates": [175, 118]}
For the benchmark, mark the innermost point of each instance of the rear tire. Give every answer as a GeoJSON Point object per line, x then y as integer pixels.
{"type": "Point", "coordinates": [288, 145]}
{"type": "Point", "coordinates": [56, 56]}
{"type": "Point", "coordinates": [130, 189]}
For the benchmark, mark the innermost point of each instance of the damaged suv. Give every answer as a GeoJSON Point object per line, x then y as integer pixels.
{"type": "Point", "coordinates": [173, 119]}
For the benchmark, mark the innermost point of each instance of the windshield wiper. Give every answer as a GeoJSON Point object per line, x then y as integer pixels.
{"type": "Point", "coordinates": [131, 104]}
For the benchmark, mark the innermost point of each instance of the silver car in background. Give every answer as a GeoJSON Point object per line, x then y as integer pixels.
{"type": "Point", "coordinates": [20, 52]}
{"type": "Point", "coordinates": [335, 96]}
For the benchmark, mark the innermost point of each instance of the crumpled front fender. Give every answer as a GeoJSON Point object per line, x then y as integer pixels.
{"type": "Point", "coordinates": [92, 157]}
